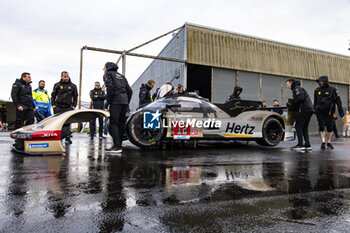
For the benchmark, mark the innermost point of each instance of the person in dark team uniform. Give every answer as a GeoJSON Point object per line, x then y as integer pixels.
{"type": "Point", "coordinates": [3, 114]}
{"type": "Point", "coordinates": [276, 104]}
{"type": "Point", "coordinates": [235, 95]}
{"type": "Point", "coordinates": [64, 98]}
{"type": "Point", "coordinates": [98, 97]}
{"type": "Point", "coordinates": [325, 100]}
{"type": "Point", "coordinates": [303, 107]}
{"type": "Point", "coordinates": [21, 95]}
{"type": "Point", "coordinates": [145, 93]}
{"type": "Point", "coordinates": [118, 97]}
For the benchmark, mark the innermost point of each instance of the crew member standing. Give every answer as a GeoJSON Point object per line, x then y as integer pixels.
{"type": "Point", "coordinates": [64, 98]}
{"type": "Point", "coordinates": [145, 95]}
{"type": "Point", "coordinates": [325, 99]}
{"type": "Point", "coordinates": [42, 100]}
{"type": "Point", "coordinates": [3, 114]}
{"type": "Point", "coordinates": [118, 96]}
{"type": "Point", "coordinates": [98, 97]}
{"type": "Point", "coordinates": [21, 95]}
{"type": "Point", "coordinates": [346, 124]}
{"type": "Point", "coordinates": [304, 109]}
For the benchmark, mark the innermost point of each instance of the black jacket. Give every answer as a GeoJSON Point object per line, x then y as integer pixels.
{"type": "Point", "coordinates": [279, 110]}
{"type": "Point", "coordinates": [118, 89]}
{"type": "Point", "coordinates": [64, 95]}
{"type": "Point", "coordinates": [144, 95]}
{"type": "Point", "coordinates": [21, 94]}
{"type": "Point", "coordinates": [326, 97]}
{"type": "Point", "coordinates": [235, 95]}
{"type": "Point", "coordinates": [98, 97]}
{"type": "Point", "coordinates": [3, 112]}
{"type": "Point", "coordinates": [301, 99]}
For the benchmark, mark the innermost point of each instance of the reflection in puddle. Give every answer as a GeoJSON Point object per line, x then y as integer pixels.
{"type": "Point", "coordinates": [88, 182]}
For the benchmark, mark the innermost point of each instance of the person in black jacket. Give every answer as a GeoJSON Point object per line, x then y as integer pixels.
{"type": "Point", "coordinates": [180, 90]}
{"type": "Point", "coordinates": [64, 98]}
{"type": "Point", "coordinates": [325, 99]}
{"type": "Point", "coordinates": [145, 95]}
{"type": "Point", "coordinates": [118, 97]}
{"type": "Point", "coordinates": [3, 113]}
{"type": "Point", "coordinates": [21, 95]}
{"type": "Point", "coordinates": [277, 110]}
{"type": "Point", "coordinates": [98, 97]}
{"type": "Point", "coordinates": [304, 109]}
{"type": "Point", "coordinates": [235, 95]}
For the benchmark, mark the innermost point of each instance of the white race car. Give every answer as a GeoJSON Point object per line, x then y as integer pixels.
{"type": "Point", "coordinates": [189, 117]}
{"type": "Point", "coordinates": [45, 137]}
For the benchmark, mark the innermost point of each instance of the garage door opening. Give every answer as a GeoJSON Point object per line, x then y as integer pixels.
{"type": "Point", "coordinates": [199, 78]}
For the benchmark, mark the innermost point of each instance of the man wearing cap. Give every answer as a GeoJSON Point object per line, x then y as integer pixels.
{"type": "Point", "coordinates": [325, 99]}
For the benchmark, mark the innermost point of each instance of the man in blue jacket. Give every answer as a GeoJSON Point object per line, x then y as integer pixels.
{"type": "Point", "coordinates": [42, 100]}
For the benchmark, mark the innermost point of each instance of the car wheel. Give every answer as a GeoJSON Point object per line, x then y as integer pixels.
{"type": "Point", "coordinates": [272, 132]}
{"type": "Point", "coordinates": [140, 136]}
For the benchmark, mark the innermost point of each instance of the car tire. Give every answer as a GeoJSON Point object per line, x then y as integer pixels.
{"type": "Point", "coordinates": [272, 132]}
{"type": "Point", "coordinates": [144, 138]}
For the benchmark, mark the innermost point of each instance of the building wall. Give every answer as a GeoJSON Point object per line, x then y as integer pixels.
{"type": "Point", "coordinates": [217, 48]}
{"type": "Point", "coordinates": [162, 71]}
{"type": "Point", "coordinates": [260, 66]}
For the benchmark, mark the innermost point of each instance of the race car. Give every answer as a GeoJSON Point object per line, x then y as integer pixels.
{"type": "Point", "coordinates": [45, 137]}
{"type": "Point", "coordinates": [188, 117]}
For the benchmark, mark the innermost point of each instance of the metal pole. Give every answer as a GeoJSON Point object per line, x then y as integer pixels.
{"type": "Point", "coordinates": [120, 57]}
{"type": "Point", "coordinates": [134, 54]}
{"type": "Point", "coordinates": [260, 86]}
{"type": "Point", "coordinates": [80, 81]}
{"type": "Point", "coordinates": [80, 76]}
{"type": "Point", "coordinates": [124, 63]}
{"type": "Point", "coordinates": [153, 39]}
{"type": "Point", "coordinates": [281, 91]}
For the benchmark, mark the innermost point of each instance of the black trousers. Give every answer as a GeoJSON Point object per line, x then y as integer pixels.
{"type": "Point", "coordinates": [117, 122]}
{"type": "Point", "coordinates": [335, 130]}
{"type": "Point", "coordinates": [325, 120]}
{"type": "Point", "coordinates": [3, 118]}
{"type": "Point", "coordinates": [65, 132]}
{"type": "Point", "coordinates": [25, 117]}
{"type": "Point", "coordinates": [93, 126]}
{"type": "Point", "coordinates": [302, 128]}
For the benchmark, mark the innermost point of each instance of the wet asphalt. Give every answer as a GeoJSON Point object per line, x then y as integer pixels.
{"type": "Point", "coordinates": [217, 187]}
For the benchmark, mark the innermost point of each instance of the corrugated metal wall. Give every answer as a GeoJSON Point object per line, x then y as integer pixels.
{"type": "Point", "coordinates": [223, 81]}
{"type": "Point", "coordinates": [227, 50]}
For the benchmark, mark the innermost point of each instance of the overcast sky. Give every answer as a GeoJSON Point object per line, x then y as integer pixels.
{"type": "Point", "coordinates": [44, 37]}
